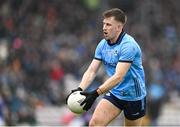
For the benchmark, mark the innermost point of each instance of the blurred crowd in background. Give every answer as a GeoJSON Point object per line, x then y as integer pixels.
{"type": "Point", "coordinates": [45, 43]}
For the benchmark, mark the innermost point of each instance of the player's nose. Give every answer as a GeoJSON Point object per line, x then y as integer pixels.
{"type": "Point", "coordinates": [104, 27]}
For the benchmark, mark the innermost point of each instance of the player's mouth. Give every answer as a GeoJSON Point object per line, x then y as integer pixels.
{"type": "Point", "coordinates": [105, 34]}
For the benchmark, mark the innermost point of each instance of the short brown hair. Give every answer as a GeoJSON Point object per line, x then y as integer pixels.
{"type": "Point", "coordinates": [117, 13]}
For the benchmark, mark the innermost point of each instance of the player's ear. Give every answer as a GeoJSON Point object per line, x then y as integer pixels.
{"type": "Point", "coordinates": [119, 26]}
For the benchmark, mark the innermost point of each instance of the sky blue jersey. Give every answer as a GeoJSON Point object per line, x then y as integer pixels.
{"type": "Point", "coordinates": [126, 49]}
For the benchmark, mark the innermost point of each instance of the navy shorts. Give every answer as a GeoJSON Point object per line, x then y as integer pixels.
{"type": "Point", "coordinates": [132, 109]}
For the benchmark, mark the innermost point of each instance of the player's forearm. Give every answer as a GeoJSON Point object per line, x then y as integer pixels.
{"type": "Point", "coordinates": [87, 78]}
{"type": "Point", "coordinates": [109, 84]}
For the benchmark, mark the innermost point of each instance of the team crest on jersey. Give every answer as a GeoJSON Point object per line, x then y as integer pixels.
{"type": "Point", "coordinates": [110, 57]}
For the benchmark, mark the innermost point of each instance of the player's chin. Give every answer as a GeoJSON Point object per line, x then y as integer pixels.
{"type": "Point", "coordinates": [106, 37]}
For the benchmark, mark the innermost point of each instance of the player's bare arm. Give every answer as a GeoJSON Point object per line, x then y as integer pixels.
{"type": "Point", "coordinates": [121, 70]}
{"type": "Point", "coordinates": [90, 74]}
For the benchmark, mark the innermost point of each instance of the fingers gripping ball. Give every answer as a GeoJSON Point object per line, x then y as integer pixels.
{"type": "Point", "coordinates": [74, 101]}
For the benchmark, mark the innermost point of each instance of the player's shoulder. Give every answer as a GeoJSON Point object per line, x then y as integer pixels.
{"type": "Point", "coordinates": [130, 43]}
{"type": "Point", "coordinates": [102, 43]}
{"type": "Point", "coordinates": [128, 39]}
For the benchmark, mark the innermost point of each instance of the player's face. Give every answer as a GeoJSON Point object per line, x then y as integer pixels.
{"type": "Point", "coordinates": [111, 29]}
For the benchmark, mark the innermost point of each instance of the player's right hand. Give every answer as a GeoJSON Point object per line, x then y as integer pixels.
{"type": "Point", "coordinates": [72, 91]}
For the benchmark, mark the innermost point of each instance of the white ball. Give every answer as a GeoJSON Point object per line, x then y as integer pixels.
{"type": "Point", "coordinates": [74, 101]}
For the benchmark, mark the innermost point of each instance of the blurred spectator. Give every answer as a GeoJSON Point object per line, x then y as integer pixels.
{"type": "Point", "coordinates": [156, 96]}
{"type": "Point", "coordinates": [56, 84]}
{"type": "Point", "coordinates": [2, 110]}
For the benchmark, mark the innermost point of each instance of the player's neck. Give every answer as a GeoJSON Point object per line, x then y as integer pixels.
{"type": "Point", "coordinates": [114, 40]}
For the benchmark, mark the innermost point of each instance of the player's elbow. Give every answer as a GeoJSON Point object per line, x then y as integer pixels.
{"type": "Point", "coordinates": [118, 78]}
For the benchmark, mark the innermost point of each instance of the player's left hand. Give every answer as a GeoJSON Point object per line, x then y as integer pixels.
{"type": "Point", "coordinates": [90, 98]}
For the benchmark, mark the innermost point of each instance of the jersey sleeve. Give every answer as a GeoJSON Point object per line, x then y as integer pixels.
{"type": "Point", "coordinates": [128, 52]}
{"type": "Point", "coordinates": [98, 54]}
